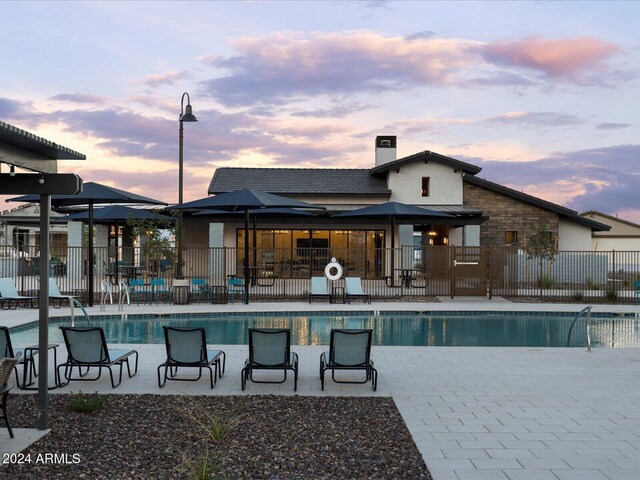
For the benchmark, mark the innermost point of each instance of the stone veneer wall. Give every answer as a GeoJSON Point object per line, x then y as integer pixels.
{"type": "Point", "coordinates": [506, 213]}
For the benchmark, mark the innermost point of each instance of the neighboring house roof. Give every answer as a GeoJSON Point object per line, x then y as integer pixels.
{"type": "Point", "coordinates": [299, 181]}
{"type": "Point", "coordinates": [426, 156]}
{"type": "Point", "coordinates": [19, 138]}
{"type": "Point", "coordinates": [523, 197]}
{"type": "Point", "coordinates": [591, 213]}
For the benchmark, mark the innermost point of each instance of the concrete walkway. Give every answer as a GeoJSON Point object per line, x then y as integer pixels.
{"type": "Point", "coordinates": [474, 412]}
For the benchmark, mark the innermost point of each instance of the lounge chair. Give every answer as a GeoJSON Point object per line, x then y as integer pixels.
{"type": "Point", "coordinates": [6, 366]}
{"type": "Point", "coordinates": [55, 296]}
{"type": "Point", "coordinates": [187, 347]}
{"type": "Point", "coordinates": [27, 361]}
{"type": "Point", "coordinates": [87, 347]}
{"type": "Point", "coordinates": [349, 349]}
{"type": "Point", "coordinates": [9, 295]}
{"type": "Point", "coordinates": [319, 289]}
{"type": "Point", "coordinates": [270, 349]}
{"type": "Point", "coordinates": [353, 289]}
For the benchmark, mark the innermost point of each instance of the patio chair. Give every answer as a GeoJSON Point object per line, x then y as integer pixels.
{"type": "Point", "coordinates": [6, 366]}
{"type": "Point", "coordinates": [187, 347]}
{"type": "Point", "coordinates": [636, 287]}
{"type": "Point", "coordinates": [200, 290]}
{"type": "Point", "coordinates": [138, 289]}
{"type": "Point", "coordinates": [87, 347]}
{"type": "Point", "coordinates": [160, 289]}
{"type": "Point", "coordinates": [9, 295]}
{"type": "Point", "coordinates": [234, 286]}
{"type": "Point", "coordinates": [270, 349]}
{"type": "Point", "coordinates": [353, 289]}
{"type": "Point", "coordinates": [27, 361]}
{"type": "Point", "coordinates": [319, 289]}
{"type": "Point", "coordinates": [56, 297]}
{"type": "Point", "coordinates": [349, 349]}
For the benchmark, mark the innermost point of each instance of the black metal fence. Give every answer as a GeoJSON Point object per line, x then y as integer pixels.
{"type": "Point", "coordinates": [405, 273]}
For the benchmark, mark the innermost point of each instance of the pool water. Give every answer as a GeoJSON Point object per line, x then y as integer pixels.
{"type": "Point", "coordinates": [504, 329]}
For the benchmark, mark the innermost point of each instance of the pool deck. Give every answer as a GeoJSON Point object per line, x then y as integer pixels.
{"type": "Point", "coordinates": [474, 412]}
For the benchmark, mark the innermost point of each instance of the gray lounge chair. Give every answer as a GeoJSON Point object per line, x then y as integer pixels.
{"type": "Point", "coordinates": [349, 349]}
{"type": "Point", "coordinates": [353, 289]}
{"type": "Point", "coordinates": [87, 347]}
{"type": "Point", "coordinates": [187, 347]}
{"type": "Point", "coordinates": [319, 289]}
{"type": "Point", "coordinates": [270, 349]}
{"type": "Point", "coordinates": [6, 367]}
{"type": "Point", "coordinates": [56, 297]}
{"type": "Point", "coordinates": [9, 295]}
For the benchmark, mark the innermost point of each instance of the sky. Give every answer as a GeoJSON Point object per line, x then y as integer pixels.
{"type": "Point", "coordinates": [542, 95]}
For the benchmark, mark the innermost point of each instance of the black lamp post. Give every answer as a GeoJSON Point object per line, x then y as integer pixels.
{"type": "Point", "coordinates": [186, 115]}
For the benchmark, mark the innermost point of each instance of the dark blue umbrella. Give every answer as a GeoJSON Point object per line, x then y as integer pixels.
{"type": "Point", "coordinates": [119, 214]}
{"type": "Point", "coordinates": [245, 200]}
{"type": "Point", "coordinates": [92, 194]}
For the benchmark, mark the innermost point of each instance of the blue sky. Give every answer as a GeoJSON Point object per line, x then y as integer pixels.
{"type": "Point", "coordinates": [541, 95]}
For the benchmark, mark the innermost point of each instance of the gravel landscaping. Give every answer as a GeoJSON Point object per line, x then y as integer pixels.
{"type": "Point", "coordinates": [270, 437]}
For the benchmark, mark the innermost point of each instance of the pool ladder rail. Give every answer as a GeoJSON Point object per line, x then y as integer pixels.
{"type": "Point", "coordinates": [106, 291]}
{"type": "Point", "coordinates": [585, 312]}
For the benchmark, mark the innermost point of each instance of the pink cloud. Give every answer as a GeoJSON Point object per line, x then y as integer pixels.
{"type": "Point", "coordinates": [562, 57]}
{"type": "Point", "coordinates": [166, 78]}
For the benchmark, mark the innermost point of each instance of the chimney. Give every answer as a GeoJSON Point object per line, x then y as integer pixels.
{"type": "Point", "coordinates": [385, 149]}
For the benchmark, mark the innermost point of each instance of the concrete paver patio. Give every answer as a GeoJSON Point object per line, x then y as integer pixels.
{"type": "Point", "coordinates": [473, 412]}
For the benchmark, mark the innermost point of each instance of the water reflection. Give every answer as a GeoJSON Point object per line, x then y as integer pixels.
{"type": "Point", "coordinates": [399, 329]}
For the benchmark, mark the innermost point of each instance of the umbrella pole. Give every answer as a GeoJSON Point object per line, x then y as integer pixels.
{"type": "Point", "coordinates": [91, 253]}
{"type": "Point", "coordinates": [393, 242]}
{"type": "Point", "coordinates": [254, 260]}
{"type": "Point", "coordinates": [246, 256]}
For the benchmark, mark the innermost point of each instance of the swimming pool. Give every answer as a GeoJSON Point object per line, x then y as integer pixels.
{"type": "Point", "coordinates": [494, 329]}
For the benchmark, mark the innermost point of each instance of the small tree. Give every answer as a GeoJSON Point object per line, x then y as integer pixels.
{"type": "Point", "coordinates": [543, 245]}
{"type": "Point", "coordinates": [158, 246]}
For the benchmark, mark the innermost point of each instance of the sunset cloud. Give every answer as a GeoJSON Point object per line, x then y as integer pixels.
{"type": "Point", "coordinates": [284, 65]}
{"type": "Point", "coordinates": [535, 119]}
{"type": "Point", "coordinates": [555, 58]}
{"type": "Point", "coordinates": [167, 78]}
{"type": "Point", "coordinates": [80, 98]}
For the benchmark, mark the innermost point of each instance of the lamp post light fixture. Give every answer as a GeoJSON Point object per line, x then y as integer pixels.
{"type": "Point", "coordinates": [186, 115]}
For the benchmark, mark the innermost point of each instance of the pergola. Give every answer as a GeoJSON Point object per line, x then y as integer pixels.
{"type": "Point", "coordinates": [19, 148]}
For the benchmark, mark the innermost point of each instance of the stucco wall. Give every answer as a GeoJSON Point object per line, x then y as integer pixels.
{"type": "Point", "coordinates": [445, 186]}
{"type": "Point", "coordinates": [572, 236]}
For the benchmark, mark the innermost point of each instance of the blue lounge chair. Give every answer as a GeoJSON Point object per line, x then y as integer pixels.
{"type": "Point", "coordinates": [9, 295]}
{"type": "Point", "coordinates": [56, 297]}
{"type": "Point", "coordinates": [353, 289]}
{"type": "Point", "coordinates": [87, 347]}
{"type": "Point", "coordinates": [187, 347]}
{"type": "Point", "coordinates": [349, 349]}
{"type": "Point", "coordinates": [270, 349]}
{"type": "Point", "coordinates": [319, 289]}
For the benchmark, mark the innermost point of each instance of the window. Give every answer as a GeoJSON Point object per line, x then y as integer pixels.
{"type": "Point", "coordinates": [425, 186]}
{"type": "Point", "coordinates": [511, 236]}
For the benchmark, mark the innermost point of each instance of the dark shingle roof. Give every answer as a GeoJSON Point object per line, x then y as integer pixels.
{"type": "Point", "coordinates": [426, 156]}
{"type": "Point", "coordinates": [282, 181]}
{"type": "Point", "coordinates": [523, 197]}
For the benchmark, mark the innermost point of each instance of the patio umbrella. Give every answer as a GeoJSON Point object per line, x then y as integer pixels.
{"type": "Point", "coordinates": [245, 200]}
{"type": "Point", "coordinates": [92, 194]}
{"type": "Point", "coordinates": [116, 214]}
{"type": "Point", "coordinates": [393, 210]}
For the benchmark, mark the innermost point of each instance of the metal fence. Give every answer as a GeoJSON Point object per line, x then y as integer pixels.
{"type": "Point", "coordinates": [405, 273]}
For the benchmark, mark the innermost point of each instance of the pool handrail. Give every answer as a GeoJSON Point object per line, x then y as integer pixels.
{"type": "Point", "coordinates": [585, 311]}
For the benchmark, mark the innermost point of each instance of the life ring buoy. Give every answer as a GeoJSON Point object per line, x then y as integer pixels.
{"type": "Point", "coordinates": [331, 266]}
